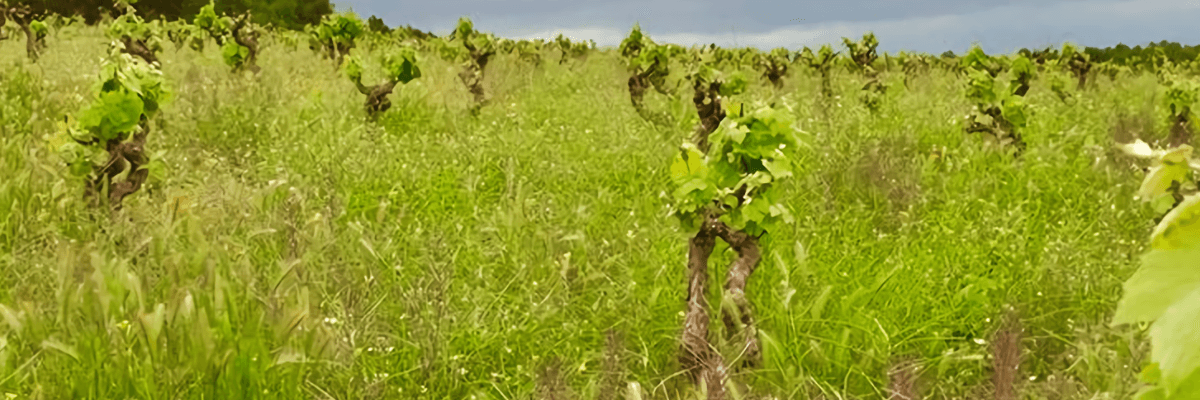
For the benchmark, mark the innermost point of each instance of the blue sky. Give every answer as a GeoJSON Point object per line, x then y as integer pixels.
{"type": "Point", "coordinates": [930, 26]}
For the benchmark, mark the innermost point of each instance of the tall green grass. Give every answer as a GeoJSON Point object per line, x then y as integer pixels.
{"type": "Point", "coordinates": [296, 251]}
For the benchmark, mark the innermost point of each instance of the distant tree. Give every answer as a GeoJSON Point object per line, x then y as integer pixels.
{"type": "Point", "coordinates": [374, 24]}
{"type": "Point", "coordinates": [1122, 54]}
{"type": "Point", "coordinates": [290, 14]}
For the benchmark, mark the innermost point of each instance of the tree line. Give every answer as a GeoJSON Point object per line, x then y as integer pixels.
{"type": "Point", "coordinates": [290, 14]}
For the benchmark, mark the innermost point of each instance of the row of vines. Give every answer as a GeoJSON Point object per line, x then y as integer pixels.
{"type": "Point", "coordinates": [725, 174]}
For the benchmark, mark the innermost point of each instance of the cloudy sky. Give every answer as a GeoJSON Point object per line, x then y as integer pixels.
{"type": "Point", "coordinates": [930, 26]}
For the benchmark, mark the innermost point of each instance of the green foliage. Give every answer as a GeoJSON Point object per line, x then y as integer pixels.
{"type": "Point", "coordinates": [352, 67]}
{"type": "Point", "coordinates": [234, 54]}
{"type": "Point", "coordinates": [339, 31]}
{"type": "Point", "coordinates": [113, 115]}
{"type": "Point", "coordinates": [465, 44]}
{"type": "Point", "coordinates": [1021, 71]}
{"type": "Point", "coordinates": [128, 90]}
{"type": "Point", "coordinates": [821, 60]}
{"type": "Point", "coordinates": [862, 53]}
{"type": "Point", "coordinates": [1137, 56]}
{"type": "Point", "coordinates": [447, 50]}
{"type": "Point", "coordinates": [135, 28]}
{"type": "Point", "coordinates": [873, 278]}
{"type": "Point", "coordinates": [401, 66]}
{"type": "Point", "coordinates": [208, 20]}
{"type": "Point", "coordinates": [977, 60]}
{"type": "Point", "coordinates": [464, 29]}
{"type": "Point", "coordinates": [646, 59]}
{"type": "Point", "coordinates": [182, 33]}
{"type": "Point", "coordinates": [1180, 94]}
{"type": "Point", "coordinates": [734, 83]}
{"type": "Point", "coordinates": [737, 180]}
{"type": "Point", "coordinates": [773, 64]}
{"type": "Point", "coordinates": [706, 69]}
{"type": "Point", "coordinates": [999, 108]}
{"type": "Point", "coordinates": [632, 44]}
{"type": "Point", "coordinates": [1165, 290]}
{"type": "Point", "coordinates": [981, 87]}
{"type": "Point", "coordinates": [644, 56]}
{"type": "Point", "coordinates": [1169, 168]}
{"type": "Point", "coordinates": [39, 29]}
{"type": "Point", "coordinates": [374, 24]}
{"type": "Point", "coordinates": [571, 49]}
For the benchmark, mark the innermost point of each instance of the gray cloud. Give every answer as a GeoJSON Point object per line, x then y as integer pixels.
{"type": "Point", "coordinates": [925, 25]}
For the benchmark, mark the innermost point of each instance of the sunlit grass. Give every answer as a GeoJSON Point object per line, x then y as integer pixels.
{"type": "Point", "coordinates": [296, 251]}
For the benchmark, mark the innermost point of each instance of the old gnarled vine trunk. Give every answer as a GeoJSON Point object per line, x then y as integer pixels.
{"type": "Point", "coordinates": [707, 100]}
{"type": "Point", "coordinates": [248, 38]}
{"type": "Point", "coordinates": [138, 48]}
{"type": "Point", "coordinates": [472, 73]}
{"type": "Point", "coordinates": [122, 156]}
{"type": "Point", "coordinates": [23, 16]}
{"type": "Point", "coordinates": [377, 96]}
{"type": "Point", "coordinates": [1181, 133]}
{"type": "Point", "coordinates": [700, 358]}
{"type": "Point", "coordinates": [999, 128]}
{"type": "Point", "coordinates": [702, 361]}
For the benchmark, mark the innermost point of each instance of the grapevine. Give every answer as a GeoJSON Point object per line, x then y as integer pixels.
{"type": "Point", "coordinates": [730, 192]}
{"type": "Point", "coordinates": [578, 50]}
{"type": "Point", "coordinates": [1077, 62]}
{"type": "Point", "coordinates": [822, 62]}
{"type": "Point", "coordinates": [184, 34]}
{"type": "Point", "coordinates": [709, 84]}
{"type": "Point", "coordinates": [774, 65]}
{"type": "Point", "coordinates": [216, 26]}
{"type": "Point", "coordinates": [136, 36]}
{"type": "Point", "coordinates": [401, 67]}
{"type": "Point", "coordinates": [35, 30]}
{"type": "Point", "coordinates": [1165, 290]}
{"type": "Point", "coordinates": [648, 64]}
{"type": "Point", "coordinates": [336, 35]}
{"type": "Point", "coordinates": [912, 65]}
{"type": "Point", "coordinates": [242, 53]}
{"type": "Point", "coordinates": [109, 136]}
{"type": "Point", "coordinates": [999, 109]}
{"type": "Point", "coordinates": [1180, 95]}
{"type": "Point", "coordinates": [523, 49]}
{"type": "Point", "coordinates": [472, 49]}
{"type": "Point", "coordinates": [863, 56]}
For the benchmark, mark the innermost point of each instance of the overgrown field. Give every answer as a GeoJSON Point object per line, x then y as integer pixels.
{"type": "Point", "coordinates": [293, 248]}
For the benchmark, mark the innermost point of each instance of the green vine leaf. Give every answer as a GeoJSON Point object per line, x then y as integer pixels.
{"type": "Point", "coordinates": [402, 65]}
{"type": "Point", "coordinates": [1166, 276]}
{"type": "Point", "coordinates": [1173, 339]}
{"type": "Point", "coordinates": [737, 178]}
{"type": "Point", "coordinates": [1172, 166]}
{"type": "Point", "coordinates": [113, 115]}
{"type": "Point", "coordinates": [234, 54]}
{"type": "Point", "coordinates": [1180, 228]}
{"type": "Point", "coordinates": [353, 68]}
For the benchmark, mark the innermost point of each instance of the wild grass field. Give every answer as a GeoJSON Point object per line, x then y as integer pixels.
{"type": "Point", "coordinates": [295, 249]}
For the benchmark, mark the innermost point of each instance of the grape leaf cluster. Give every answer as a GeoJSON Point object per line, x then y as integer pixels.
{"type": "Point", "coordinates": [999, 107]}
{"type": "Point", "coordinates": [111, 130]}
{"type": "Point", "coordinates": [737, 179]}
{"type": "Point", "coordinates": [1165, 290]}
{"type": "Point", "coordinates": [336, 34]}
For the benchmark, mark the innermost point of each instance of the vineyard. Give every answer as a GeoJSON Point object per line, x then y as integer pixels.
{"type": "Point", "coordinates": [217, 209]}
